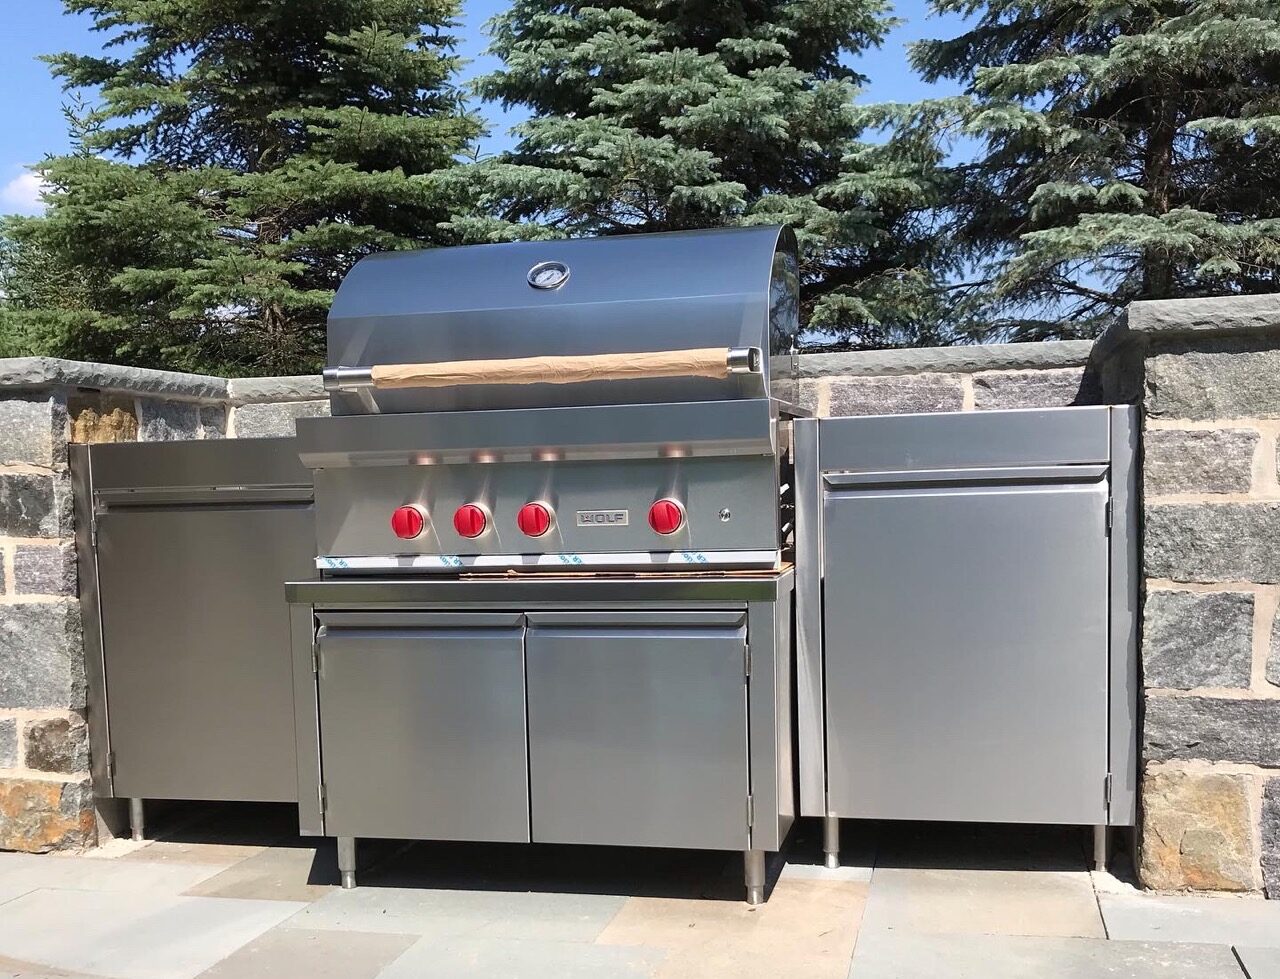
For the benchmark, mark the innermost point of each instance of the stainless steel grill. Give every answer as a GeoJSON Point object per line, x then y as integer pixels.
{"type": "Point", "coordinates": [465, 388]}
{"type": "Point", "coordinates": [556, 475]}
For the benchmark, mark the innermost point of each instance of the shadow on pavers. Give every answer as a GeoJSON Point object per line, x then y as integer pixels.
{"type": "Point", "coordinates": [981, 846]}
{"type": "Point", "coordinates": [536, 867]}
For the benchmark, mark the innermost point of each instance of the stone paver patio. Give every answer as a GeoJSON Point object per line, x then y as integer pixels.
{"type": "Point", "coordinates": [231, 892]}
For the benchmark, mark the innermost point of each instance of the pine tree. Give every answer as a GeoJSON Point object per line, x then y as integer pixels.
{"type": "Point", "coordinates": [660, 115]}
{"type": "Point", "coordinates": [243, 154]}
{"type": "Point", "coordinates": [1126, 151]}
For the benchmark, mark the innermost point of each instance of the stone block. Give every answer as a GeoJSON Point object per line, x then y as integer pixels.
{"type": "Point", "coordinates": [1197, 461]}
{"type": "Point", "coordinates": [1271, 838]}
{"type": "Point", "coordinates": [896, 395]}
{"type": "Point", "coordinates": [1220, 378]}
{"type": "Point", "coordinates": [100, 417]}
{"type": "Point", "coordinates": [8, 742]}
{"type": "Point", "coordinates": [213, 421]}
{"type": "Point", "coordinates": [1197, 639]}
{"type": "Point", "coordinates": [1212, 729]}
{"type": "Point", "coordinates": [38, 815]}
{"type": "Point", "coordinates": [45, 570]}
{"type": "Point", "coordinates": [1033, 389]}
{"type": "Point", "coordinates": [810, 391]}
{"type": "Point", "coordinates": [1208, 542]}
{"type": "Point", "coordinates": [168, 421]}
{"type": "Point", "coordinates": [1197, 832]}
{"type": "Point", "coordinates": [41, 659]}
{"type": "Point", "coordinates": [275, 420]}
{"type": "Point", "coordinates": [33, 431]}
{"type": "Point", "coordinates": [56, 744]}
{"type": "Point", "coordinates": [34, 505]}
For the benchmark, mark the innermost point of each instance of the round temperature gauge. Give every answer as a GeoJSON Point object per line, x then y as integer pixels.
{"type": "Point", "coordinates": [548, 275]}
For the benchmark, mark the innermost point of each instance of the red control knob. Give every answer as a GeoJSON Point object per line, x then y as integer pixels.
{"type": "Point", "coordinates": [408, 521]}
{"type": "Point", "coordinates": [666, 516]}
{"type": "Point", "coordinates": [534, 519]}
{"type": "Point", "coordinates": [470, 520]}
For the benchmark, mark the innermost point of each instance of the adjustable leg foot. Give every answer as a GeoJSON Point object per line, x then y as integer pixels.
{"type": "Point", "coordinates": [753, 873]}
{"type": "Point", "coordinates": [137, 827]}
{"type": "Point", "coordinates": [831, 840]}
{"type": "Point", "coordinates": [347, 861]}
{"type": "Point", "coordinates": [1101, 841]}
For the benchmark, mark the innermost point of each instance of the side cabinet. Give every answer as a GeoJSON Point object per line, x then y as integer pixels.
{"type": "Point", "coordinates": [184, 551]}
{"type": "Point", "coordinates": [638, 728]}
{"type": "Point", "coordinates": [967, 592]}
{"type": "Point", "coordinates": [422, 730]}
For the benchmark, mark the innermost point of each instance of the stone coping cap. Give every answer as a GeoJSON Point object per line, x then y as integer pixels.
{"type": "Point", "coordinates": [1150, 320]}
{"type": "Point", "coordinates": [965, 359]}
{"type": "Point", "coordinates": [1220, 314]}
{"type": "Point", "coordinates": [301, 387]}
{"type": "Point", "coordinates": [44, 372]}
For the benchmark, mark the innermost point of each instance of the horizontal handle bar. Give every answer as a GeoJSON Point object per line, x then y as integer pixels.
{"type": "Point", "coordinates": [714, 362]}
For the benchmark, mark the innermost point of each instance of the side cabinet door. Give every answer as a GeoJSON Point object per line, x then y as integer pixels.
{"type": "Point", "coordinates": [638, 728]}
{"type": "Point", "coordinates": [196, 648]}
{"type": "Point", "coordinates": [966, 651]}
{"type": "Point", "coordinates": [422, 725]}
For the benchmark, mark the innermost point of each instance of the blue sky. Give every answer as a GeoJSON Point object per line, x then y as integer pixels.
{"type": "Point", "coordinates": [31, 123]}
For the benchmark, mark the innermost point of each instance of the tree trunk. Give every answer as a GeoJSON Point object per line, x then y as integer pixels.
{"type": "Point", "coordinates": [1157, 272]}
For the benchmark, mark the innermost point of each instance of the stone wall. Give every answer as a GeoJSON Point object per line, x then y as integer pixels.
{"type": "Point", "coordinates": [976, 378]}
{"type": "Point", "coordinates": [1210, 387]}
{"type": "Point", "coordinates": [46, 799]}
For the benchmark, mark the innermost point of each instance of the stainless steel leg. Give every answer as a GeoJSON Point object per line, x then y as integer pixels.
{"type": "Point", "coordinates": [753, 871]}
{"type": "Point", "coordinates": [347, 861]}
{"type": "Point", "coordinates": [1101, 839]}
{"type": "Point", "coordinates": [137, 828]}
{"type": "Point", "coordinates": [831, 840]}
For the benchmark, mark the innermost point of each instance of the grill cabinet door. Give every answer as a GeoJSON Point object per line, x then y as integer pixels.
{"type": "Point", "coordinates": [638, 728]}
{"type": "Point", "coordinates": [196, 648]}
{"type": "Point", "coordinates": [422, 725]}
{"type": "Point", "coordinates": [966, 651]}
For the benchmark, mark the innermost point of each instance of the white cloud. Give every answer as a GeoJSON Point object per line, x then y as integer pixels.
{"type": "Point", "coordinates": [21, 195]}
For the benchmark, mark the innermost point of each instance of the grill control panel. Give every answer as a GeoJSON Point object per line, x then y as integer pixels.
{"type": "Point", "coordinates": [571, 510]}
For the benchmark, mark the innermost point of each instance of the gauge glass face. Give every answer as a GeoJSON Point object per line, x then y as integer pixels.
{"type": "Point", "coordinates": [548, 275]}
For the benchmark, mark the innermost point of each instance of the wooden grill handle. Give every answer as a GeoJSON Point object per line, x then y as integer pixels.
{"type": "Point", "coordinates": [713, 362]}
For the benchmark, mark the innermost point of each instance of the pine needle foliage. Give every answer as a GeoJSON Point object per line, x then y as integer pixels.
{"type": "Point", "coordinates": [238, 158]}
{"type": "Point", "coordinates": [663, 115]}
{"type": "Point", "coordinates": [1126, 150]}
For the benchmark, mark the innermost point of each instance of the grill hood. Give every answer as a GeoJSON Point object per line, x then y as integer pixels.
{"type": "Point", "coordinates": [631, 294]}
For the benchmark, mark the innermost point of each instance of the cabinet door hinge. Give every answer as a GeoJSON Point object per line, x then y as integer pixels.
{"type": "Point", "coordinates": [751, 812]}
{"type": "Point", "coordinates": [1106, 789]}
{"type": "Point", "coordinates": [324, 799]}
{"type": "Point", "coordinates": [111, 764]}
{"type": "Point", "coordinates": [746, 659]}
{"type": "Point", "coordinates": [1107, 513]}
{"type": "Point", "coordinates": [315, 657]}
